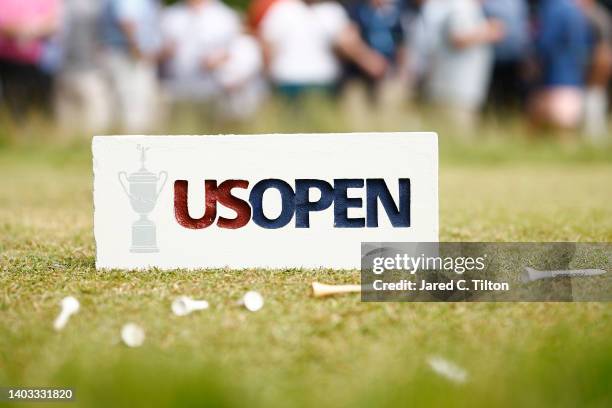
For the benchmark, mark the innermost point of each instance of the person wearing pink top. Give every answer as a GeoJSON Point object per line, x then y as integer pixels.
{"type": "Point", "coordinates": [25, 27]}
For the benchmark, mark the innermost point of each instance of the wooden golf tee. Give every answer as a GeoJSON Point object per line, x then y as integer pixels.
{"type": "Point", "coordinates": [321, 289]}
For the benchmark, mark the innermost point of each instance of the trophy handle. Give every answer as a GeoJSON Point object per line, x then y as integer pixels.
{"type": "Point", "coordinates": [159, 177]}
{"type": "Point", "coordinates": [122, 184]}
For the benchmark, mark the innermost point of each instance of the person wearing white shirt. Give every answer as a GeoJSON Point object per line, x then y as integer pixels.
{"type": "Point", "coordinates": [196, 32]}
{"type": "Point", "coordinates": [301, 44]}
{"type": "Point", "coordinates": [459, 55]}
{"type": "Point", "coordinates": [209, 58]}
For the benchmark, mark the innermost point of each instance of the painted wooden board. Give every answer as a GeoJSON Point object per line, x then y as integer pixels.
{"type": "Point", "coordinates": [270, 201]}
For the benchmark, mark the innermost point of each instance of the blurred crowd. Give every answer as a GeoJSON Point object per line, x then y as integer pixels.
{"type": "Point", "coordinates": [102, 64]}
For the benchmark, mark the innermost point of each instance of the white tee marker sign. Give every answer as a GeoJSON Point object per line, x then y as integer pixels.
{"type": "Point", "coordinates": [268, 201]}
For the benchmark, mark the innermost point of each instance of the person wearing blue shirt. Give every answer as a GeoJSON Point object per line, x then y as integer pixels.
{"type": "Point", "coordinates": [379, 22]}
{"type": "Point", "coordinates": [380, 25]}
{"type": "Point", "coordinates": [562, 45]}
{"type": "Point", "coordinates": [132, 25]}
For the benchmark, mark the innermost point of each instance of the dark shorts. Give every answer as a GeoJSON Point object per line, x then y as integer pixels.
{"type": "Point", "coordinates": [294, 92]}
{"type": "Point", "coordinates": [24, 87]}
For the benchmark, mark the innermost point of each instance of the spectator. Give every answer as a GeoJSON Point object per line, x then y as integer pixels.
{"type": "Point", "coordinates": [240, 76]}
{"type": "Point", "coordinates": [197, 33]}
{"type": "Point", "coordinates": [300, 42]}
{"type": "Point", "coordinates": [131, 44]}
{"type": "Point", "coordinates": [562, 43]}
{"type": "Point", "coordinates": [600, 70]}
{"type": "Point", "coordinates": [380, 25]}
{"type": "Point", "coordinates": [418, 44]}
{"type": "Point", "coordinates": [209, 58]}
{"type": "Point", "coordinates": [507, 85]}
{"type": "Point", "coordinates": [82, 100]}
{"type": "Point", "coordinates": [25, 29]}
{"type": "Point", "coordinates": [459, 55]}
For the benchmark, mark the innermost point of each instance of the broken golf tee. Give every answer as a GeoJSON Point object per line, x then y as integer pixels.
{"type": "Point", "coordinates": [252, 300]}
{"type": "Point", "coordinates": [132, 335]}
{"type": "Point", "coordinates": [69, 306]}
{"type": "Point", "coordinates": [184, 305]}
{"type": "Point", "coordinates": [321, 289]}
{"type": "Point", "coordinates": [448, 369]}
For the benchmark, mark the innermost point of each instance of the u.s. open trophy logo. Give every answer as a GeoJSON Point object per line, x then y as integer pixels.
{"type": "Point", "coordinates": [142, 190]}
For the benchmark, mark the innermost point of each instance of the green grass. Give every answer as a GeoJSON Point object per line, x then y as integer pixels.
{"type": "Point", "coordinates": [301, 351]}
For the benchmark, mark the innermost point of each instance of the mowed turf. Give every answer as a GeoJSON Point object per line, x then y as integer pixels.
{"type": "Point", "coordinates": [300, 351]}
